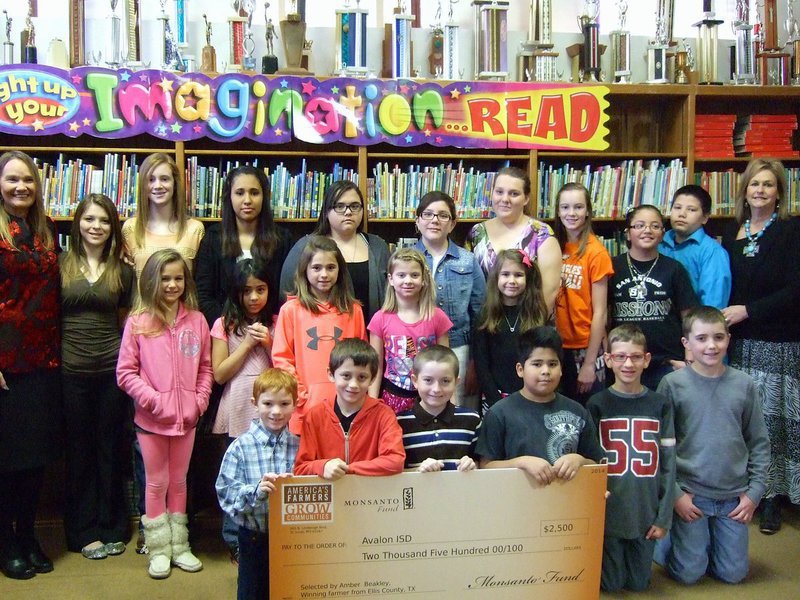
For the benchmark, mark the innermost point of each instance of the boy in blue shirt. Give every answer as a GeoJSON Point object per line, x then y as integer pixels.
{"type": "Point", "coordinates": [250, 467]}
{"type": "Point", "coordinates": [723, 456]}
{"type": "Point", "coordinates": [701, 255]}
{"type": "Point", "coordinates": [538, 430]}
{"type": "Point", "coordinates": [637, 432]}
{"type": "Point", "coordinates": [437, 435]}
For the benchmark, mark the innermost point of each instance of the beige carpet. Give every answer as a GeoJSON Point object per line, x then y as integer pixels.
{"type": "Point", "coordinates": [774, 573]}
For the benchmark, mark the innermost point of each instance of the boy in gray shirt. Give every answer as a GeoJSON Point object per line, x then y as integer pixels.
{"type": "Point", "coordinates": [722, 457]}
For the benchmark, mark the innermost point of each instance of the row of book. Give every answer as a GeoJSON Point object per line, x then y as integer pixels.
{"type": "Point", "coordinates": [723, 185]}
{"type": "Point", "coordinates": [394, 192]}
{"type": "Point", "coordinates": [721, 136]}
{"type": "Point", "coordinates": [293, 195]}
{"type": "Point", "coordinates": [614, 189]}
{"type": "Point", "coordinates": [66, 181]}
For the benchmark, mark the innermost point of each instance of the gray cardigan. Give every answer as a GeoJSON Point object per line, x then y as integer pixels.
{"type": "Point", "coordinates": [378, 261]}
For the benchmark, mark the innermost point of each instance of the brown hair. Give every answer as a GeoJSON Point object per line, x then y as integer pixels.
{"type": "Point", "coordinates": [75, 258]}
{"type": "Point", "coordinates": [342, 297]}
{"type": "Point", "coordinates": [36, 218]}
{"type": "Point", "coordinates": [704, 314]}
{"type": "Point", "coordinates": [627, 332]}
{"type": "Point", "coordinates": [150, 164]}
{"type": "Point", "coordinates": [150, 299]}
{"type": "Point", "coordinates": [754, 167]}
{"type": "Point", "coordinates": [558, 226]}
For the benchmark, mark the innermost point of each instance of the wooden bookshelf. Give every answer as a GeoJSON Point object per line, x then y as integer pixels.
{"type": "Point", "coordinates": [646, 123]}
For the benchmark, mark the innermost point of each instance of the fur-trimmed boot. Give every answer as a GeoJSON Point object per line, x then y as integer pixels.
{"type": "Point", "coordinates": [182, 556]}
{"type": "Point", "coordinates": [158, 537]}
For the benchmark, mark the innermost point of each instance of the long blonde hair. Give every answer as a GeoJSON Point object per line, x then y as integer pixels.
{"type": "Point", "coordinates": [36, 218]}
{"type": "Point", "coordinates": [150, 164]}
{"type": "Point", "coordinates": [74, 261]}
{"type": "Point", "coordinates": [754, 167]}
{"type": "Point", "coordinates": [150, 301]}
{"type": "Point", "coordinates": [427, 296]}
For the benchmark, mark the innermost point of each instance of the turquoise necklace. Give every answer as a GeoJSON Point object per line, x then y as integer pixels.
{"type": "Point", "coordinates": [751, 248]}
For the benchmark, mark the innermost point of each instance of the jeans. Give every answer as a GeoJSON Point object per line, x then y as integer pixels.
{"type": "Point", "coordinates": [253, 565]}
{"type": "Point", "coordinates": [714, 544]}
{"type": "Point", "coordinates": [626, 564]}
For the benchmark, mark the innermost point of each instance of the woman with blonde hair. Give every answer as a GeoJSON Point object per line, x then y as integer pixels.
{"type": "Point", "coordinates": [764, 250]}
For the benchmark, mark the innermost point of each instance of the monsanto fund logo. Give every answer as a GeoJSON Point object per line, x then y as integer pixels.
{"type": "Point", "coordinates": [310, 503]}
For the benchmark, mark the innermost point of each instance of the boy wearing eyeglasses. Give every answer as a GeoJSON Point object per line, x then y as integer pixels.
{"type": "Point", "coordinates": [637, 433]}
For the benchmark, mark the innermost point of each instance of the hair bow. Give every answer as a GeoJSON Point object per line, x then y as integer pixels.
{"type": "Point", "coordinates": [526, 259]}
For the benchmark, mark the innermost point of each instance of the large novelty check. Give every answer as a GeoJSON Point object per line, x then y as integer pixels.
{"type": "Point", "coordinates": [484, 534]}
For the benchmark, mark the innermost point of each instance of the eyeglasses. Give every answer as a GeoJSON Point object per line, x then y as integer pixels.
{"type": "Point", "coordinates": [650, 226]}
{"type": "Point", "coordinates": [340, 208]}
{"type": "Point", "coordinates": [427, 215]}
{"type": "Point", "coordinates": [620, 358]}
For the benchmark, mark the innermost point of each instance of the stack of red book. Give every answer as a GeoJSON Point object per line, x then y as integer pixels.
{"type": "Point", "coordinates": [765, 135]}
{"type": "Point", "coordinates": [713, 136]}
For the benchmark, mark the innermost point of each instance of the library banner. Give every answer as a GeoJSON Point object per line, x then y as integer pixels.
{"type": "Point", "coordinates": [484, 534]}
{"type": "Point", "coordinates": [38, 100]}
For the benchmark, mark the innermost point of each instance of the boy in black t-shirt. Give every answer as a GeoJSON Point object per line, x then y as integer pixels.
{"type": "Point", "coordinates": [536, 429]}
{"type": "Point", "coordinates": [637, 432]}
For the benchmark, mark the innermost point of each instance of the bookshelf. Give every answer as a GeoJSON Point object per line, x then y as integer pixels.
{"type": "Point", "coordinates": [652, 150]}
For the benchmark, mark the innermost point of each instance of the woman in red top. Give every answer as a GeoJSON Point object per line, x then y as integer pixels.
{"type": "Point", "coordinates": [30, 388]}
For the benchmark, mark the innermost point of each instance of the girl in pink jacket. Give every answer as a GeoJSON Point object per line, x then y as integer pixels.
{"type": "Point", "coordinates": [165, 366]}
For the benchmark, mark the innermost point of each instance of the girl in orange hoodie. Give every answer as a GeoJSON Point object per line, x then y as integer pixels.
{"type": "Point", "coordinates": [322, 312]}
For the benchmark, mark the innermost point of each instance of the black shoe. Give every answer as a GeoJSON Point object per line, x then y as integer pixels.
{"type": "Point", "coordinates": [15, 566]}
{"type": "Point", "coordinates": [770, 516]}
{"type": "Point", "coordinates": [36, 557]}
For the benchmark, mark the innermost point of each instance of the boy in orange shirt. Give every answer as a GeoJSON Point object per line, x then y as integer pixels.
{"type": "Point", "coordinates": [350, 432]}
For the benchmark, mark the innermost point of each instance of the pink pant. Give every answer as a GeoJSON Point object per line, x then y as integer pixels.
{"type": "Point", "coordinates": [166, 461]}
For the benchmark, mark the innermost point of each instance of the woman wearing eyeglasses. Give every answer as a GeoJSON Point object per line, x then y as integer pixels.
{"type": "Point", "coordinates": [652, 291]}
{"type": "Point", "coordinates": [459, 282]}
{"type": "Point", "coordinates": [341, 218]}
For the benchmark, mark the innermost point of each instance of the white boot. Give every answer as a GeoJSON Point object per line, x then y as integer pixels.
{"type": "Point", "coordinates": [158, 537]}
{"type": "Point", "coordinates": [182, 556]}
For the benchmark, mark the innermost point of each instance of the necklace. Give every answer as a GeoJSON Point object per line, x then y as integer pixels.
{"type": "Point", "coordinates": [751, 248]}
{"type": "Point", "coordinates": [511, 328]}
{"type": "Point", "coordinates": [639, 290]}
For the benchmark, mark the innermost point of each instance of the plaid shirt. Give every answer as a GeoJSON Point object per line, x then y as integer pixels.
{"type": "Point", "coordinates": [247, 459]}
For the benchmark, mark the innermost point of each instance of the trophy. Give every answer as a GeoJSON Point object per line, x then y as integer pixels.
{"type": "Point", "coordinates": [536, 60]}
{"type": "Point", "coordinates": [236, 37]}
{"type": "Point", "coordinates": [683, 62]}
{"type": "Point", "coordinates": [491, 36]}
{"type": "Point", "coordinates": [744, 67]}
{"type": "Point", "coordinates": [351, 41]}
{"type": "Point", "coordinates": [707, 36]}
{"type": "Point", "coordinates": [590, 53]}
{"type": "Point", "coordinates": [208, 56]}
{"type": "Point", "coordinates": [28, 38]}
{"type": "Point", "coordinates": [793, 30]}
{"type": "Point", "coordinates": [657, 49]}
{"type": "Point", "coordinates": [132, 33]}
{"type": "Point", "coordinates": [248, 44]}
{"type": "Point", "coordinates": [621, 46]}
{"type": "Point", "coordinates": [436, 57]}
{"type": "Point", "coordinates": [269, 62]}
{"type": "Point", "coordinates": [293, 32]}
{"type": "Point", "coordinates": [170, 56]}
{"type": "Point", "coordinates": [400, 49]}
{"type": "Point", "coordinates": [8, 45]}
{"type": "Point", "coordinates": [77, 33]}
{"type": "Point", "coordinates": [773, 63]}
{"type": "Point", "coordinates": [116, 58]}
{"type": "Point", "coordinates": [450, 69]}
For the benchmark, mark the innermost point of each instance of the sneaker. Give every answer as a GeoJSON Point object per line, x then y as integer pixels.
{"type": "Point", "coordinates": [770, 516]}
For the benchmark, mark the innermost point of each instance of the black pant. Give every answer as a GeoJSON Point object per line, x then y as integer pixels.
{"type": "Point", "coordinates": [19, 500]}
{"type": "Point", "coordinates": [253, 565]}
{"type": "Point", "coordinates": [95, 412]}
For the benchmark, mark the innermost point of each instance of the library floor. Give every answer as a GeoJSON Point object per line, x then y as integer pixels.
{"type": "Point", "coordinates": [773, 572]}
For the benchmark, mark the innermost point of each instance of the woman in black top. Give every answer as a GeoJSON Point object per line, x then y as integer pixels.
{"type": "Point", "coordinates": [764, 250]}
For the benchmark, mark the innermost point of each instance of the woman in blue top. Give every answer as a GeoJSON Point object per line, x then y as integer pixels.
{"type": "Point", "coordinates": [460, 285]}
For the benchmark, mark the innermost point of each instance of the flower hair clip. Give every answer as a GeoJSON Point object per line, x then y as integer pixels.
{"type": "Point", "coordinates": [526, 259]}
